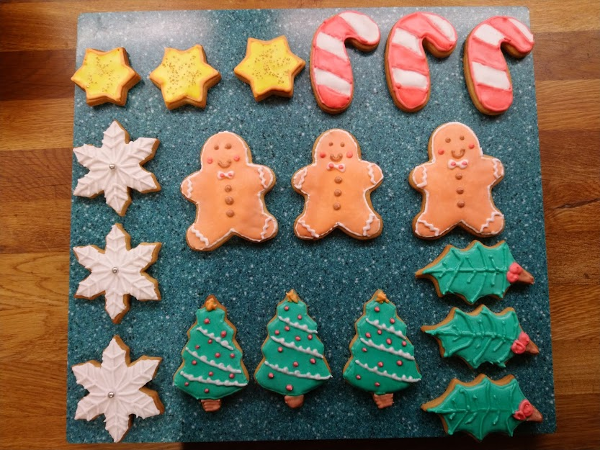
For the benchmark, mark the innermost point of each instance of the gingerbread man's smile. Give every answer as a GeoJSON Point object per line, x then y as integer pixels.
{"type": "Point", "coordinates": [335, 158]}
{"type": "Point", "coordinates": [224, 165]}
{"type": "Point", "coordinates": [460, 155]}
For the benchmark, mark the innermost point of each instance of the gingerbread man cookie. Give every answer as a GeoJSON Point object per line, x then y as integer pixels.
{"type": "Point", "coordinates": [229, 194]}
{"type": "Point", "coordinates": [337, 189]}
{"type": "Point", "coordinates": [456, 185]}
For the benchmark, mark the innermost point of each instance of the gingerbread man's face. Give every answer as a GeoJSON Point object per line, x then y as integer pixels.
{"type": "Point", "coordinates": [336, 149]}
{"type": "Point", "coordinates": [455, 146]}
{"type": "Point", "coordinates": [224, 152]}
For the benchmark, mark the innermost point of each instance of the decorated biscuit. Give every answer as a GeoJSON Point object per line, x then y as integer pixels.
{"type": "Point", "coordinates": [475, 271]}
{"type": "Point", "coordinates": [456, 185]}
{"type": "Point", "coordinates": [229, 192]}
{"type": "Point", "coordinates": [382, 358]}
{"type": "Point", "coordinates": [212, 366]}
{"type": "Point", "coordinates": [406, 68]}
{"type": "Point", "coordinates": [116, 167]}
{"type": "Point", "coordinates": [337, 189]}
{"type": "Point", "coordinates": [184, 77]}
{"type": "Point", "coordinates": [269, 68]}
{"type": "Point", "coordinates": [481, 336]}
{"type": "Point", "coordinates": [330, 69]}
{"type": "Point", "coordinates": [483, 406]}
{"type": "Point", "coordinates": [118, 272]}
{"type": "Point", "coordinates": [116, 389]}
{"type": "Point", "coordinates": [486, 73]}
{"type": "Point", "coordinates": [293, 362]}
{"type": "Point", "coordinates": [106, 77]}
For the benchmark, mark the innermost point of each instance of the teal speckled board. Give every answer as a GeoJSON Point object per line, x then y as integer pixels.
{"type": "Point", "coordinates": [336, 275]}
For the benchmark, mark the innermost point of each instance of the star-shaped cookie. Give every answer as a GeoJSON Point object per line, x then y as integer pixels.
{"type": "Point", "coordinates": [118, 272]}
{"type": "Point", "coordinates": [116, 388]}
{"type": "Point", "coordinates": [115, 167]}
{"type": "Point", "coordinates": [106, 77]}
{"type": "Point", "coordinates": [269, 68]}
{"type": "Point", "coordinates": [184, 77]}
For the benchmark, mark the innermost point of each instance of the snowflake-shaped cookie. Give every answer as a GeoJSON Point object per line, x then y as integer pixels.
{"type": "Point", "coordinates": [116, 388]}
{"type": "Point", "coordinates": [115, 167]}
{"type": "Point", "coordinates": [118, 272]}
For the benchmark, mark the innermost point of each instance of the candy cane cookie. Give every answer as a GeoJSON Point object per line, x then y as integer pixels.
{"type": "Point", "coordinates": [330, 68]}
{"type": "Point", "coordinates": [486, 73]}
{"type": "Point", "coordinates": [406, 68]}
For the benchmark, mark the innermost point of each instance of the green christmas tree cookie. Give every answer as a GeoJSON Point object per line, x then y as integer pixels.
{"type": "Point", "coordinates": [293, 362]}
{"type": "Point", "coordinates": [382, 358]}
{"type": "Point", "coordinates": [475, 272]}
{"type": "Point", "coordinates": [212, 365]}
{"type": "Point", "coordinates": [481, 336]}
{"type": "Point", "coordinates": [483, 406]}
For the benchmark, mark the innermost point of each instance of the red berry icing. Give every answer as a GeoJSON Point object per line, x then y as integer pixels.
{"type": "Point", "coordinates": [525, 410]}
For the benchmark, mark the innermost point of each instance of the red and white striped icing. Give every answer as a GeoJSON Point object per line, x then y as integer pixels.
{"type": "Point", "coordinates": [486, 64]}
{"type": "Point", "coordinates": [406, 64]}
{"type": "Point", "coordinates": [330, 68]}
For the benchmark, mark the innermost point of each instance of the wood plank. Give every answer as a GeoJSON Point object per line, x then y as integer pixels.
{"type": "Point", "coordinates": [31, 75]}
{"type": "Point", "coordinates": [31, 175]}
{"type": "Point", "coordinates": [583, 48]}
{"type": "Point", "coordinates": [36, 124]}
{"type": "Point", "coordinates": [29, 21]}
{"type": "Point", "coordinates": [25, 226]}
{"type": "Point", "coordinates": [568, 105]}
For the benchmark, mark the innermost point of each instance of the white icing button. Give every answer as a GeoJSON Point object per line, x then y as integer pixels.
{"type": "Point", "coordinates": [115, 269]}
{"type": "Point", "coordinates": [111, 166]}
{"type": "Point", "coordinates": [111, 394]}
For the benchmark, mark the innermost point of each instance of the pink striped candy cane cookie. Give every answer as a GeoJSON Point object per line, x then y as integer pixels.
{"type": "Point", "coordinates": [330, 69]}
{"type": "Point", "coordinates": [406, 67]}
{"type": "Point", "coordinates": [486, 73]}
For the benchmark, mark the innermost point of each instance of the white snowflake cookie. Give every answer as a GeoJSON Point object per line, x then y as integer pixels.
{"type": "Point", "coordinates": [115, 167]}
{"type": "Point", "coordinates": [116, 388]}
{"type": "Point", "coordinates": [118, 272]}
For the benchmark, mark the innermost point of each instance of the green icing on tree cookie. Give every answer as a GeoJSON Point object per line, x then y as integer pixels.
{"type": "Point", "coordinates": [481, 336]}
{"type": "Point", "coordinates": [475, 272]}
{"type": "Point", "coordinates": [483, 406]}
{"type": "Point", "coordinates": [212, 365]}
{"type": "Point", "coordinates": [293, 361]}
{"type": "Point", "coordinates": [382, 358]}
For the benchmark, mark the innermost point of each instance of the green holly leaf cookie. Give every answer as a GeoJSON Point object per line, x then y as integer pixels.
{"type": "Point", "coordinates": [481, 336]}
{"type": "Point", "coordinates": [475, 272]}
{"type": "Point", "coordinates": [483, 406]}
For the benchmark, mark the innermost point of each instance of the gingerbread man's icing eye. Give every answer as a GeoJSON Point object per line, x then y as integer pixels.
{"type": "Point", "coordinates": [448, 140]}
{"type": "Point", "coordinates": [216, 147]}
{"type": "Point", "coordinates": [441, 151]}
{"type": "Point", "coordinates": [330, 144]}
{"type": "Point", "coordinates": [236, 158]}
{"type": "Point", "coordinates": [322, 155]}
{"type": "Point", "coordinates": [227, 146]}
{"type": "Point", "coordinates": [349, 155]}
{"type": "Point", "coordinates": [209, 161]}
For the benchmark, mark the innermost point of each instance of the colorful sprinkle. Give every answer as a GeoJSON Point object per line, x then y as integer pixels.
{"type": "Point", "coordinates": [210, 374]}
{"type": "Point", "coordinates": [289, 387]}
{"type": "Point", "coordinates": [223, 333]}
{"type": "Point", "coordinates": [210, 341]}
{"type": "Point", "coordinates": [197, 347]}
{"type": "Point", "coordinates": [271, 375]}
{"type": "Point", "coordinates": [277, 332]}
{"type": "Point", "coordinates": [389, 341]}
{"type": "Point", "coordinates": [295, 364]}
{"type": "Point", "coordinates": [380, 364]}
{"type": "Point", "coordinates": [358, 377]}
{"type": "Point", "coordinates": [231, 375]}
{"type": "Point", "coordinates": [379, 331]}
{"type": "Point", "coordinates": [186, 383]}
{"type": "Point", "coordinates": [287, 328]}
{"type": "Point", "coordinates": [207, 321]}
{"type": "Point", "coordinates": [368, 335]}
{"type": "Point", "coordinates": [403, 343]}
{"type": "Point", "coordinates": [377, 384]}
{"type": "Point", "coordinates": [194, 362]}
{"type": "Point", "coordinates": [232, 355]}
{"type": "Point", "coordinates": [286, 308]}
{"type": "Point", "coordinates": [377, 309]}
{"type": "Point", "coordinates": [206, 390]}
{"type": "Point", "coordinates": [280, 349]}
{"type": "Point", "coordinates": [312, 360]}
{"type": "Point", "coordinates": [364, 349]}
{"type": "Point", "coordinates": [297, 338]}
{"type": "Point", "coordinates": [399, 362]}
{"type": "Point", "coordinates": [392, 320]}
{"type": "Point", "coordinates": [310, 337]}
{"type": "Point", "coordinates": [217, 355]}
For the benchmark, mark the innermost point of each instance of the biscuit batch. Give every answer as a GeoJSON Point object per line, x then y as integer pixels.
{"type": "Point", "coordinates": [229, 193]}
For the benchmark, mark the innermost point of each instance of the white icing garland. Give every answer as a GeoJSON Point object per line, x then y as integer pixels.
{"type": "Point", "coordinates": [312, 232]}
{"type": "Point", "coordinates": [372, 174]}
{"type": "Point", "coordinates": [301, 349]}
{"type": "Point", "coordinates": [296, 325]}
{"type": "Point", "coordinates": [263, 180]}
{"type": "Point", "coordinates": [302, 175]}
{"type": "Point", "coordinates": [223, 342]}
{"type": "Point", "coordinates": [367, 227]}
{"type": "Point", "coordinates": [199, 235]}
{"type": "Point", "coordinates": [296, 373]}
{"type": "Point", "coordinates": [266, 226]}
{"type": "Point", "coordinates": [384, 327]}
{"type": "Point", "coordinates": [385, 373]}
{"type": "Point", "coordinates": [370, 343]}
{"type": "Point", "coordinates": [206, 361]}
{"type": "Point", "coordinates": [215, 382]}
{"type": "Point", "coordinates": [190, 188]}
{"type": "Point", "coordinates": [490, 220]}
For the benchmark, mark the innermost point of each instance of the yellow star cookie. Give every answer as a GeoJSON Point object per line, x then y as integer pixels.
{"type": "Point", "coordinates": [269, 67]}
{"type": "Point", "coordinates": [184, 77]}
{"type": "Point", "coordinates": [106, 77]}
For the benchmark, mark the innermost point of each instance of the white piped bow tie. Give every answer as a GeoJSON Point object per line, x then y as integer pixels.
{"type": "Point", "coordinates": [340, 167]}
{"type": "Point", "coordinates": [452, 164]}
{"type": "Point", "coordinates": [222, 175]}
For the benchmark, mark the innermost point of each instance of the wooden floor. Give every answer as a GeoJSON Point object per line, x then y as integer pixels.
{"type": "Point", "coordinates": [37, 59]}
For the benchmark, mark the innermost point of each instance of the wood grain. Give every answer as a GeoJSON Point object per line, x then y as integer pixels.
{"type": "Point", "coordinates": [37, 58]}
